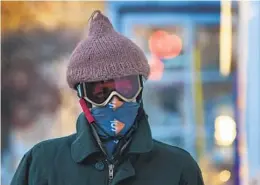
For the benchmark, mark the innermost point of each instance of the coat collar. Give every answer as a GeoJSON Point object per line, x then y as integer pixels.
{"type": "Point", "coordinates": [84, 145]}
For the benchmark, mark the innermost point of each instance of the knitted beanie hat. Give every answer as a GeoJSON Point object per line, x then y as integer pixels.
{"type": "Point", "coordinates": [105, 54]}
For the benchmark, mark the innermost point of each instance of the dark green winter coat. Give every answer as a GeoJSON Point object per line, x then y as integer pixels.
{"type": "Point", "coordinates": [77, 160]}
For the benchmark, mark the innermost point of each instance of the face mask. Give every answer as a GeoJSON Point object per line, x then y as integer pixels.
{"type": "Point", "coordinates": [114, 119]}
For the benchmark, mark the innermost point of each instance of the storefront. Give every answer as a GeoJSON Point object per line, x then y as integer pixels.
{"type": "Point", "coordinates": [189, 101]}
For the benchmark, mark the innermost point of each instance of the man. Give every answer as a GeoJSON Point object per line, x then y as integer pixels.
{"type": "Point", "coordinates": [113, 144]}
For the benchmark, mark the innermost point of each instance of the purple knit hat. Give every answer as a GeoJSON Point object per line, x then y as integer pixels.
{"type": "Point", "coordinates": [105, 54]}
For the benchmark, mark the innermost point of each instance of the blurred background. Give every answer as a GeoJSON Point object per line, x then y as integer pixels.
{"type": "Point", "coordinates": [203, 93]}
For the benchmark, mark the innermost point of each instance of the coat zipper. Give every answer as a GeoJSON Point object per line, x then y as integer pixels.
{"type": "Point", "coordinates": [110, 173]}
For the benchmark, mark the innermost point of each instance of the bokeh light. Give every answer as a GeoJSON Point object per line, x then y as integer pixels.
{"type": "Point", "coordinates": [224, 175]}
{"type": "Point", "coordinates": [165, 45]}
{"type": "Point", "coordinates": [225, 130]}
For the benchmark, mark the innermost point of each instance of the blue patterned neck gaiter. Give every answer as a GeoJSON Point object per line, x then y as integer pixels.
{"type": "Point", "coordinates": [114, 119]}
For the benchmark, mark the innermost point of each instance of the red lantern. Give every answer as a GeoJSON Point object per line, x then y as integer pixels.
{"type": "Point", "coordinates": [163, 45]}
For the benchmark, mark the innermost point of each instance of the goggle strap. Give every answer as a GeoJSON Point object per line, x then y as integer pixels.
{"type": "Point", "coordinates": [124, 146]}
{"type": "Point", "coordinates": [99, 142]}
{"type": "Point", "coordinates": [91, 120]}
{"type": "Point", "coordinates": [125, 141]}
{"type": "Point", "coordinates": [100, 128]}
{"type": "Point", "coordinates": [86, 111]}
{"type": "Point", "coordinates": [139, 97]}
{"type": "Point", "coordinates": [80, 91]}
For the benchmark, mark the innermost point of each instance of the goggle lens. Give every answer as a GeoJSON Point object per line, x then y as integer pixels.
{"type": "Point", "coordinates": [127, 88]}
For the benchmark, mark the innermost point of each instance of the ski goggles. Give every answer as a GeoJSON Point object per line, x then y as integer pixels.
{"type": "Point", "coordinates": [100, 93]}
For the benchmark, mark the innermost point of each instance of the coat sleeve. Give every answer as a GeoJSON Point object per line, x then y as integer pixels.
{"type": "Point", "coordinates": [21, 176]}
{"type": "Point", "coordinates": [191, 174]}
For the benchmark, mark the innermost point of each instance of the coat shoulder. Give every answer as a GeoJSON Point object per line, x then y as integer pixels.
{"type": "Point", "coordinates": [34, 167]}
{"type": "Point", "coordinates": [48, 149]}
{"type": "Point", "coordinates": [173, 150]}
{"type": "Point", "coordinates": [174, 154]}
{"type": "Point", "coordinates": [54, 144]}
